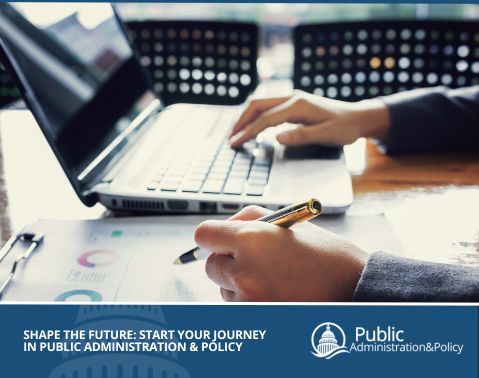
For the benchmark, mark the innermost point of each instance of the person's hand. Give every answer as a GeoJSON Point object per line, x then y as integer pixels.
{"type": "Point", "coordinates": [258, 261]}
{"type": "Point", "coordinates": [319, 120]}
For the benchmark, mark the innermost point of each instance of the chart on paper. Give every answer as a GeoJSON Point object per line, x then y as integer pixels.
{"type": "Point", "coordinates": [112, 260]}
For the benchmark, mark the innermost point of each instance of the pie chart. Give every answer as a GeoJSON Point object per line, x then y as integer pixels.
{"type": "Point", "coordinates": [97, 258]}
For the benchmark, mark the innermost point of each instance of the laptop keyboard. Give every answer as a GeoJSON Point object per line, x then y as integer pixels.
{"type": "Point", "coordinates": [201, 160]}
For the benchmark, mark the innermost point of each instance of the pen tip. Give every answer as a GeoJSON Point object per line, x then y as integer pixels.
{"type": "Point", "coordinates": [177, 261]}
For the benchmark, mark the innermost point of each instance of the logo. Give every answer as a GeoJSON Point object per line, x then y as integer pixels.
{"type": "Point", "coordinates": [324, 341]}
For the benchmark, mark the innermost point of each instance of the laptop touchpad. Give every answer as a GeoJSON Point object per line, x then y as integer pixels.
{"type": "Point", "coordinates": [312, 151]}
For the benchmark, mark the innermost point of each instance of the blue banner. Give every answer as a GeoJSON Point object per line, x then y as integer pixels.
{"type": "Point", "coordinates": [180, 341]}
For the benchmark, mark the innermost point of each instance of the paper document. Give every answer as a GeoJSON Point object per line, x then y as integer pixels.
{"type": "Point", "coordinates": [131, 259]}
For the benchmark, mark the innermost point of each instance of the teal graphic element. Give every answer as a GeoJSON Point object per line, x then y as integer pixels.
{"type": "Point", "coordinates": [116, 233]}
{"type": "Point", "coordinates": [94, 295]}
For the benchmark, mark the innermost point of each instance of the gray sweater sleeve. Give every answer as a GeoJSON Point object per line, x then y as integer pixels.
{"type": "Point", "coordinates": [433, 119]}
{"type": "Point", "coordinates": [388, 278]}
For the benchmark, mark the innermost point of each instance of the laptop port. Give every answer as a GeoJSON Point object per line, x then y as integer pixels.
{"type": "Point", "coordinates": [208, 207]}
{"type": "Point", "coordinates": [230, 206]}
{"type": "Point", "coordinates": [177, 205]}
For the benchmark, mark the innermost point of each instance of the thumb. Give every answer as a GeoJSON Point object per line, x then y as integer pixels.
{"type": "Point", "coordinates": [328, 133]}
{"type": "Point", "coordinates": [301, 135]}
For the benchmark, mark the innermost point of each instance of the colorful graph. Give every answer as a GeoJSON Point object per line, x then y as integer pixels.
{"type": "Point", "coordinates": [97, 258]}
{"type": "Point", "coordinates": [93, 296]}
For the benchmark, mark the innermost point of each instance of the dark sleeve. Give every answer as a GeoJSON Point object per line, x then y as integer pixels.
{"type": "Point", "coordinates": [433, 119]}
{"type": "Point", "coordinates": [388, 278]}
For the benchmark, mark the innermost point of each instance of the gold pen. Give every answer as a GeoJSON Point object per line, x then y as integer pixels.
{"type": "Point", "coordinates": [285, 217]}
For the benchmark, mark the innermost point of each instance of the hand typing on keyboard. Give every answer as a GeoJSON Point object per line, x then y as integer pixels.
{"type": "Point", "coordinates": [320, 120]}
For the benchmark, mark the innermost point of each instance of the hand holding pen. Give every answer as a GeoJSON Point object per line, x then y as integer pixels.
{"type": "Point", "coordinates": [259, 261]}
{"type": "Point", "coordinates": [285, 217]}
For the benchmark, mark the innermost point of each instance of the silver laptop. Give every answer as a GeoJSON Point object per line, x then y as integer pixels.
{"type": "Point", "coordinates": [120, 146]}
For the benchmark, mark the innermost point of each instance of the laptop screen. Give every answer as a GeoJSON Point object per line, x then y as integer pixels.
{"type": "Point", "coordinates": [80, 76]}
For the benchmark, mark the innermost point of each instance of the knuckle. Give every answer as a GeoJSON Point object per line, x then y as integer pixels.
{"type": "Point", "coordinates": [253, 107]}
{"type": "Point", "coordinates": [301, 102]}
{"type": "Point", "coordinates": [254, 102]}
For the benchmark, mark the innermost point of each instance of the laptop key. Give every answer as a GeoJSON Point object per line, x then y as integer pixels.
{"type": "Point", "coordinates": [152, 185]}
{"type": "Point", "coordinates": [160, 170]}
{"type": "Point", "coordinates": [262, 162]}
{"type": "Point", "coordinates": [192, 186]}
{"type": "Point", "coordinates": [254, 190]}
{"type": "Point", "coordinates": [249, 145]}
{"type": "Point", "coordinates": [219, 169]}
{"type": "Point", "coordinates": [199, 171]}
{"type": "Point", "coordinates": [157, 177]}
{"type": "Point", "coordinates": [173, 178]}
{"type": "Point", "coordinates": [234, 186]}
{"type": "Point", "coordinates": [257, 181]}
{"type": "Point", "coordinates": [217, 176]}
{"type": "Point", "coordinates": [213, 186]}
{"type": "Point", "coordinates": [170, 186]}
{"type": "Point", "coordinates": [202, 165]}
{"type": "Point", "coordinates": [238, 175]}
{"type": "Point", "coordinates": [241, 163]}
{"type": "Point", "coordinates": [259, 175]}
{"type": "Point", "coordinates": [195, 177]}
{"type": "Point", "coordinates": [240, 167]}
{"type": "Point", "coordinates": [259, 169]}
{"type": "Point", "coordinates": [176, 173]}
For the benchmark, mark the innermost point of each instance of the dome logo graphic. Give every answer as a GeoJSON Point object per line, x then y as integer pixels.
{"type": "Point", "coordinates": [325, 343]}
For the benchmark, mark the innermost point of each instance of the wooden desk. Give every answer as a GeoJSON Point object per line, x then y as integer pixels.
{"type": "Point", "coordinates": [428, 171]}
{"type": "Point", "coordinates": [431, 201]}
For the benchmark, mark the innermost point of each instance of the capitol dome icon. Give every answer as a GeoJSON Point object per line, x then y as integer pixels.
{"type": "Point", "coordinates": [328, 345]}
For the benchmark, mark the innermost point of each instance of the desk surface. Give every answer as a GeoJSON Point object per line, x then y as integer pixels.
{"type": "Point", "coordinates": [431, 201]}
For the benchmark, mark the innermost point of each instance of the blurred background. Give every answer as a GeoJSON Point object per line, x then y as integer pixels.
{"type": "Point", "coordinates": [277, 21]}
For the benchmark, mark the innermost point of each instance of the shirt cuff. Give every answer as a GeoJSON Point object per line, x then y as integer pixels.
{"type": "Point", "coordinates": [410, 112]}
{"type": "Point", "coordinates": [389, 278]}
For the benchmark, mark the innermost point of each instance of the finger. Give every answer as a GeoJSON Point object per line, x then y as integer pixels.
{"type": "Point", "coordinates": [217, 236]}
{"type": "Point", "coordinates": [289, 111]}
{"type": "Point", "coordinates": [218, 269]}
{"type": "Point", "coordinates": [254, 109]}
{"type": "Point", "coordinates": [251, 213]}
{"type": "Point", "coordinates": [300, 135]}
{"type": "Point", "coordinates": [228, 295]}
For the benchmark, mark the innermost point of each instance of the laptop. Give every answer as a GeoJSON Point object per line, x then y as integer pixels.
{"type": "Point", "coordinates": [121, 146]}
